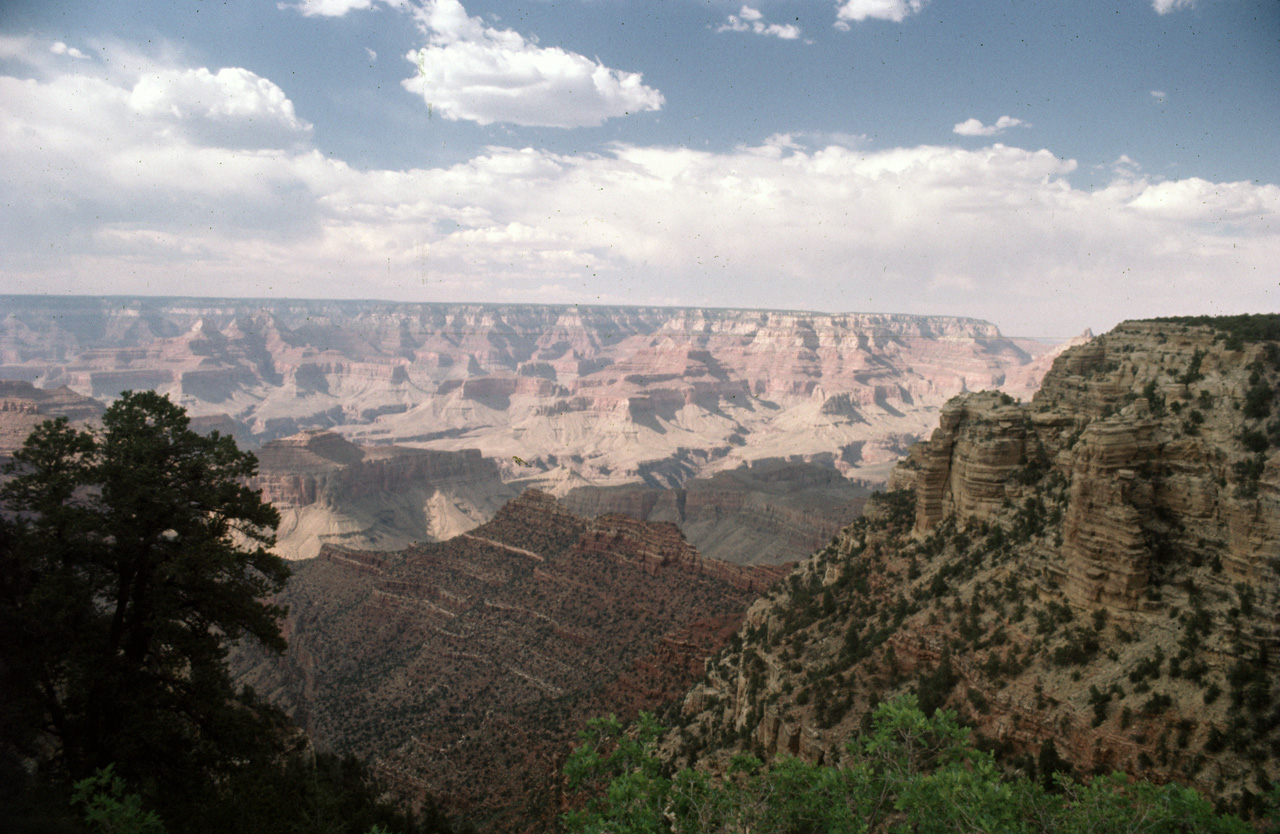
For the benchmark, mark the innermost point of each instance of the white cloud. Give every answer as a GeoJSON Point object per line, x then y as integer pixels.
{"type": "Point", "coordinates": [373, 56]}
{"type": "Point", "coordinates": [973, 127]}
{"type": "Point", "coordinates": [120, 194]}
{"type": "Point", "coordinates": [231, 107]}
{"type": "Point", "coordinates": [1166, 6]}
{"type": "Point", "coordinates": [1125, 166]}
{"type": "Point", "coordinates": [471, 72]}
{"type": "Point", "coordinates": [1158, 95]}
{"type": "Point", "coordinates": [327, 8]}
{"type": "Point", "coordinates": [1195, 200]}
{"type": "Point", "coordinates": [752, 20]}
{"type": "Point", "coordinates": [60, 48]}
{"type": "Point", "coordinates": [15, 47]}
{"type": "Point", "coordinates": [859, 10]}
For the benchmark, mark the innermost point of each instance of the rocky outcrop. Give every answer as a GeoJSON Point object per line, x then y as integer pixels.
{"type": "Point", "coordinates": [464, 668]}
{"type": "Point", "coordinates": [659, 546]}
{"type": "Point", "coordinates": [768, 513]}
{"type": "Point", "coordinates": [331, 491]}
{"type": "Point", "coordinates": [1097, 568]}
{"type": "Point", "coordinates": [24, 406]}
{"type": "Point", "coordinates": [964, 468]}
{"type": "Point", "coordinates": [1138, 423]}
{"type": "Point", "coordinates": [581, 395]}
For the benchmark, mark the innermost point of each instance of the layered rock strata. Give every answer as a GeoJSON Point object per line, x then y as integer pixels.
{"type": "Point", "coordinates": [563, 396]}
{"type": "Point", "coordinates": [24, 406]}
{"type": "Point", "coordinates": [465, 668]}
{"type": "Point", "coordinates": [329, 490]}
{"type": "Point", "coordinates": [1147, 426]}
{"type": "Point", "coordinates": [769, 513]}
{"type": "Point", "coordinates": [1096, 569]}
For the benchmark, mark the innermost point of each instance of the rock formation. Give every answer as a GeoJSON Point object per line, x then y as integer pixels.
{"type": "Point", "coordinates": [465, 668]}
{"type": "Point", "coordinates": [767, 513]}
{"type": "Point", "coordinates": [331, 491]}
{"type": "Point", "coordinates": [24, 406]}
{"type": "Point", "coordinates": [580, 395]}
{"type": "Point", "coordinates": [1097, 569]}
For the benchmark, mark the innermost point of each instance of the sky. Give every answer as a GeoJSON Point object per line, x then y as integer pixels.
{"type": "Point", "coordinates": [1046, 166]}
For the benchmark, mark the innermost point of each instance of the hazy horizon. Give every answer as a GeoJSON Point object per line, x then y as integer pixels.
{"type": "Point", "coordinates": [1043, 167]}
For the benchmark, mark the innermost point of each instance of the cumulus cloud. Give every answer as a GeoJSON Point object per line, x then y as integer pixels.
{"type": "Point", "coordinates": [973, 127]}
{"type": "Point", "coordinates": [469, 71]}
{"type": "Point", "coordinates": [130, 147]}
{"type": "Point", "coordinates": [1166, 6]}
{"type": "Point", "coordinates": [60, 48]}
{"type": "Point", "coordinates": [860, 10]}
{"type": "Point", "coordinates": [119, 194]}
{"type": "Point", "coordinates": [752, 20]}
{"type": "Point", "coordinates": [232, 106]}
{"type": "Point", "coordinates": [1158, 95]}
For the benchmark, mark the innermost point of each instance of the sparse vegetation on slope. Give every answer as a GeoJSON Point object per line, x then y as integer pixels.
{"type": "Point", "coordinates": [464, 668]}
{"type": "Point", "coordinates": [1088, 584]}
{"type": "Point", "coordinates": [908, 772]}
{"type": "Point", "coordinates": [1235, 330]}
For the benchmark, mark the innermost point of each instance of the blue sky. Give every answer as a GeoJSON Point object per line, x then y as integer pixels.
{"type": "Point", "coordinates": [1047, 166]}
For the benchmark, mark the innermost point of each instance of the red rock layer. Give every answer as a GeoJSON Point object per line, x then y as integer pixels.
{"type": "Point", "coordinates": [465, 668]}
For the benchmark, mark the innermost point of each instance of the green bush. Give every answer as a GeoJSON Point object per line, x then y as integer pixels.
{"type": "Point", "coordinates": [108, 809]}
{"type": "Point", "coordinates": [1257, 400]}
{"type": "Point", "coordinates": [1236, 330]}
{"type": "Point", "coordinates": [908, 772]}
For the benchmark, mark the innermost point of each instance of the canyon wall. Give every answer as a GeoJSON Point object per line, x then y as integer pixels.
{"type": "Point", "coordinates": [767, 513]}
{"type": "Point", "coordinates": [1096, 569]}
{"type": "Point", "coordinates": [561, 396]}
{"type": "Point", "coordinates": [331, 491]}
{"type": "Point", "coordinates": [464, 668]}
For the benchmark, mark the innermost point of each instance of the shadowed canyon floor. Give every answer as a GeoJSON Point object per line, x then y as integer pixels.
{"type": "Point", "coordinates": [767, 513]}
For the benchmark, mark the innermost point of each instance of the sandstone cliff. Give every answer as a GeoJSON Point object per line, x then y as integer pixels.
{"type": "Point", "coordinates": [464, 668]}
{"type": "Point", "coordinates": [1097, 569]}
{"type": "Point", "coordinates": [331, 491]}
{"type": "Point", "coordinates": [580, 395]}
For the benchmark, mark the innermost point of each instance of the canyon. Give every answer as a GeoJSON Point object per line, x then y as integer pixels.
{"type": "Point", "coordinates": [559, 396]}
{"type": "Point", "coordinates": [511, 519]}
{"type": "Point", "coordinates": [329, 490]}
{"type": "Point", "coordinates": [759, 433]}
{"type": "Point", "coordinates": [463, 669]}
{"type": "Point", "coordinates": [24, 406]}
{"type": "Point", "coordinates": [767, 512]}
{"type": "Point", "coordinates": [1093, 573]}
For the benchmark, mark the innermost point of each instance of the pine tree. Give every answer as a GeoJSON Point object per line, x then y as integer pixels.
{"type": "Point", "coordinates": [133, 555]}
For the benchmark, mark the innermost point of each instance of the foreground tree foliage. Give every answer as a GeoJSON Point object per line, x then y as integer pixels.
{"type": "Point", "coordinates": [130, 558]}
{"type": "Point", "coordinates": [912, 773]}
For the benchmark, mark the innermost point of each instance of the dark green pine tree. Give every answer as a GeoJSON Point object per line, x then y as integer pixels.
{"type": "Point", "coordinates": [130, 557]}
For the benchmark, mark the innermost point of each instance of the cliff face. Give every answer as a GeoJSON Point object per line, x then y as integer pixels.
{"type": "Point", "coordinates": [23, 407]}
{"type": "Point", "coordinates": [769, 513]}
{"type": "Point", "coordinates": [1148, 425]}
{"type": "Point", "coordinates": [581, 395]}
{"type": "Point", "coordinates": [466, 667]}
{"type": "Point", "coordinates": [331, 491]}
{"type": "Point", "coordinates": [1097, 568]}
